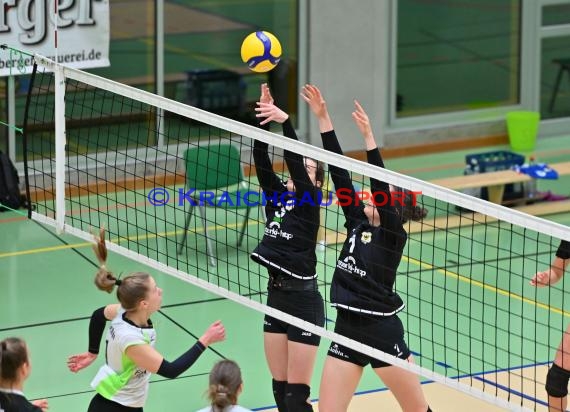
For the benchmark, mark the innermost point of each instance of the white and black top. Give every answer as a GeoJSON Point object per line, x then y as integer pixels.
{"type": "Point", "coordinates": [120, 379]}
{"type": "Point", "coordinates": [563, 251]}
{"type": "Point", "coordinates": [365, 272]}
{"type": "Point", "coordinates": [15, 401]}
{"type": "Point", "coordinates": [293, 219]}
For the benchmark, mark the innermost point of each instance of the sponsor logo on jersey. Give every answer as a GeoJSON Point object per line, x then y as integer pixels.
{"type": "Point", "coordinates": [273, 230]}
{"type": "Point", "coordinates": [139, 373]}
{"type": "Point", "coordinates": [348, 264]}
{"type": "Point", "coordinates": [398, 351]}
{"type": "Point", "coordinates": [305, 333]}
{"type": "Point", "coordinates": [290, 205]}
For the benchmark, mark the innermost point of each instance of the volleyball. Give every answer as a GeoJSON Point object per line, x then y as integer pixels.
{"type": "Point", "coordinates": [261, 51]}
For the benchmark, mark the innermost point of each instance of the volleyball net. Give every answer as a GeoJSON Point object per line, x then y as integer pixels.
{"type": "Point", "coordinates": [175, 188]}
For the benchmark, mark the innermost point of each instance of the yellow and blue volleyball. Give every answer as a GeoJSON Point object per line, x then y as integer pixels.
{"type": "Point", "coordinates": [261, 51]}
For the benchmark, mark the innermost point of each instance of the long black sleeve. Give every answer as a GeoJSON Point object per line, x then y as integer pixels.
{"type": "Point", "coordinates": [172, 370]}
{"type": "Point", "coordinates": [296, 164]}
{"type": "Point", "coordinates": [340, 177]}
{"type": "Point", "coordinates": [389, 217]}
{"type": "Point", "coordinates": [96, 329]}
{"type": "Point", "coordinates": [268, 180]}
{"type": "Point", "coordinates": [563, 251]}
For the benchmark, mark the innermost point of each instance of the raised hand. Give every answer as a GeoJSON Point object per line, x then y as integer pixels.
{"type": "Point", "coordinates": [312, 95]}
{"type": "Point", "coordinates": [270, 112]}
{"type": "Point", "coordinates": [265, 94]}
{"type": "Point", "coordinates": [545, 278]}
{"type": "Point", "coordinates": [77, 362]}
{"type": "Point", "coordinates": [361, 119]}
{"type": "Point", "coordinates": [215, 333]}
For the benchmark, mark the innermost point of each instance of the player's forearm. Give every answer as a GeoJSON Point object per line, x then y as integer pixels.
{"type": "Point", "coordinates": [557, 269]}
{"type": "Point", "coordinates": [370, 142]}
{"type": "Point", "coordinates": [173, 369]}
{"type": "Point", "coordinates": [325, 123]}
{"type": "Point", "coordinates": [96, 329]}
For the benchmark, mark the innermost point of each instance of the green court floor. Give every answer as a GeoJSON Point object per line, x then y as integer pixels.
{"type": "Point", "coordinates": [47, 295]}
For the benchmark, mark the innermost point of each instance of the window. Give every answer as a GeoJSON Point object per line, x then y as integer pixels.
{"type": "Point", "coordinates": [454, 56]}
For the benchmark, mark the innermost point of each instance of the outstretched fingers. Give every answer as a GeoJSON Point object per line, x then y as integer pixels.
{"type": "Point", "coordinates": [362, 121]}
{"type": "Point", "coordinates": [313, 97]}
{"type": "Point", "coordinates": [360, 110]}
{"type": "Point", "coordinates": [265, 94]}
{"type": "Point", "coordinates": [309, 92]}
{"type": "Point", "coordinates": [77, 362]}
{"type": "Point", "coordinates": [270, 112]}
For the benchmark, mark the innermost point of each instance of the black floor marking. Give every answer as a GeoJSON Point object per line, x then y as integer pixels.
{"type": "Point", "coordinates": [67, 244]}
{"type": "Point", "coordinates": [151, 382]}
{"type": "Point", "coordinates": [95, 264]}
{"type": "Point", "coordinates": [190, 333]}
{"type": "Point", "coordinates": [55, 322]}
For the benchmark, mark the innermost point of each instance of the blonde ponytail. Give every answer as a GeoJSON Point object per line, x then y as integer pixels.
{"type": "Point", "coordinates": [130, 290]}
{"type": "Point", "coordinates": [225, 383]}
{"type": "Point", "coordinates": [220, 397]}
{"type": "Point", "coordinates": [104, 280]}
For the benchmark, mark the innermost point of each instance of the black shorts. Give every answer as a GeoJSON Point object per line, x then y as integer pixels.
{"type": "Point", "coordinates": [306, 305]}
{"type": "Point", "coordinates": [101, 404]}
{"type": "Point", "coordinates": [382, 333]}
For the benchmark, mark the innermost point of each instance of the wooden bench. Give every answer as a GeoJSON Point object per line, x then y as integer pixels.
{"type": "Point", "coordinates": [494, 181]}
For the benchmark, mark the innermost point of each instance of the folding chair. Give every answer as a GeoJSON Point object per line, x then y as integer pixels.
{"type": "Point", "coordinates": [214, 168]}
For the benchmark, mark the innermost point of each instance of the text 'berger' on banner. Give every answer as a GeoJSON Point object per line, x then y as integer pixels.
{"type": "Point", "coordinates": [82, 27]}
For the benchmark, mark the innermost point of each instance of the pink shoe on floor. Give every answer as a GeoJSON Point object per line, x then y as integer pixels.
{"type": "Point", "coordinates": [551, 197]}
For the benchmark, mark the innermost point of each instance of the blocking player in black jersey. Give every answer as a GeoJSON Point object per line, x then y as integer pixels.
{"type": "Point", "coordinates": [287, 250]}
{"type": "Point", "coordinates": [362, 288]}
{"type": "Point", "coordinates": [14, 370]}
{"type": "Point", "coordinates": [559, 373]}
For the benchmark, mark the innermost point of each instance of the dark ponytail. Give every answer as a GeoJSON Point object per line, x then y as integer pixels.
{"type": "Point", "coordinates": [408, 207]}
{"type": "Point", "coordinates": [320, 172]}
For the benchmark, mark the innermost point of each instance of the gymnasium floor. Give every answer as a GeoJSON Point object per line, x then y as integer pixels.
{"type": "Point", "coordinates": [47, 296]}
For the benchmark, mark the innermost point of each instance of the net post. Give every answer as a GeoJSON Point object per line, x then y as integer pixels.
{"type": "Point", "coordinates": [12, 117]}
{"type": "Point", "coordinates": [160, 70]}
{"type": "Point", "coordinates": [60, 142]}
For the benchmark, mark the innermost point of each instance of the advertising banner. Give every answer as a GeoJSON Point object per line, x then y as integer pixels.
{"type": "Point", "coordinates": [81, 39]}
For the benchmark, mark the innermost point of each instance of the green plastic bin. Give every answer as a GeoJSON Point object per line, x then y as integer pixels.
{"type": "Point", "coordinates": [523, 128]}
